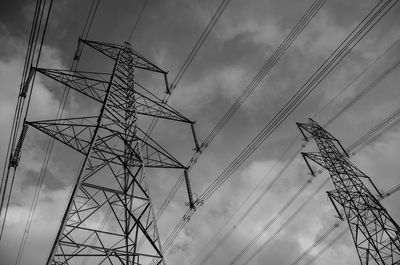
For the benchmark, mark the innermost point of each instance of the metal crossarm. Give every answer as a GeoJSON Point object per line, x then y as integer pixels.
{"type": "Point", "coordinates": [129, 56]}
{"type": "Point", "coordinates": [94, 86]}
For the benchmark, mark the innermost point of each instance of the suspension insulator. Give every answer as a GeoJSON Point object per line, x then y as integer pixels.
{"type": "Point", "coordinates": [25, 87]}
{"type": "Point", "coordinates": [16, 156]}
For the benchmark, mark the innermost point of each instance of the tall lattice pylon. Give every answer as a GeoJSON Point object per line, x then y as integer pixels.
{"type": "Point", "coordinates": [376, 235]}
{"type": "Point", "coordinates": [111, 185]}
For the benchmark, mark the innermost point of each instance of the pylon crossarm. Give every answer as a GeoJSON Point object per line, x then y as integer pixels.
{"type": "Point", "coordinates": [315, 157]}
{"type": "Point", "coordinates": [148, 107]}
{"type": "Point", "coordinates": [76, 133]}
{"type": "Point", "coordinates": [147, 104]}
{"type": "Point", "coordinates": [153, 154]}
{"type": "Point", "coordinates": [92, 85]}
{"type": "Point", "coordinates": [111, 50]}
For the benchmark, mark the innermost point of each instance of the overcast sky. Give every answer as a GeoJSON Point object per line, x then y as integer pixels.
{"type": "Point", "coordinates": [245, 36]}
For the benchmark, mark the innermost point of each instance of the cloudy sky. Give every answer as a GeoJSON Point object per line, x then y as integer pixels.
{"type": "Point", "coordinates": [245, 36]}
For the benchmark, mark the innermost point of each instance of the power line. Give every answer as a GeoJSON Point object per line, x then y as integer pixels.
{"type": "Point", "coordinates": [388, 123]}
{"type": "Point", "coordinates": [362, 73]}
{"type": "Point", "coordinates": [183, 68]}
{"type": "Point", "coordinates": [373, 17]}
{"type": "Point", "coordinates": [210, 244]}
{"type": "Point", "coordinates": [333, 228]}
{"type": "Point", "coordinates": [370, 135]}
{"type": "Point", "coordinates": [375, 233]}
{"type": "Point", "coordinates": [266, 68]}
{"type": "Point", "coordinates": [14, 158]}
{"type": "Point", "coordinates": [393, 67]}
{"type": "Point", "coordinates": [244, 215]}
{"type": "Point", "coordinates": [137, 20]}
{"type": "Point", "coordinates": [114, 132]}
{"type": "Point", "coordinates": [327, 246]}
{"type": "Point", "coordinates": [221, 8]}
{"type": "Point", "coordinates": [84, 34]}
{"type": "Point", "coordinates": [261, 74]}
{"type": "Point", "coordinates": [291, 217]}
{"type": "Point", "coordinates": [317, 242]}
{"type": "Point", "coordinates": [366, 139]}
{"type": "Point", "coordinates": [299, 96]}
{"type": "Point", "coordinates": [20, 104]}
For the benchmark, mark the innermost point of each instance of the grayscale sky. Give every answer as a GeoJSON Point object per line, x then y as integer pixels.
{"type": "Point", "coordinates": [245, 36]}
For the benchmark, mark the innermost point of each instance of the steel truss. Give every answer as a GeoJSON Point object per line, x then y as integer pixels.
{"type": "Point", "coordinates": [111, 184]}
{"type": "Point", "coordinates": [375, 234]}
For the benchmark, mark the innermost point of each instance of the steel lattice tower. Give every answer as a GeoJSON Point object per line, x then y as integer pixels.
{"type": "Point", "coordinates": [375, 234]}
{"type": "Point", "coordinates": [111, 185]}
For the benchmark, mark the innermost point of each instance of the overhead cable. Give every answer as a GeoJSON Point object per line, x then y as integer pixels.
{"type": "Point", "coordinates": [137, 20]}
{"type": "Point", "coordinates": [213, 244]}
{"type": "Point", "coordinates": [290, 218]}
{"type": "Point", "coordinates": [358, 77]}
{"type": "Point", "coordinates": [221, 8]}
{"type": "Point", "coordinates": [50, 144]}
{"type": "Point", "coordinates": [261, 74]}
{"type": "Point", "coordinates": [356, 144]}
{"type": "Point", "coordinates": [7, 182]}
{"type": "Point", "coordinates": [333, 228]}
{"type": "Point", "coordinates": [373, 17]}
{"type": "Point", "coordinates": [393, 67]}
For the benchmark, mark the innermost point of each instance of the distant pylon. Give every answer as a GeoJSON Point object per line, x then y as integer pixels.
{"type": "Point", "coordinates": [109, 217]}
{"type": "Point", "coordinates": [376, 235]}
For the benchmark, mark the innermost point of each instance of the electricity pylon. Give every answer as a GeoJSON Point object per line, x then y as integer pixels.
{"type": "Point", "coordinates": [375, 234]}
{"type": "Point", "coordinates": [109, 216]}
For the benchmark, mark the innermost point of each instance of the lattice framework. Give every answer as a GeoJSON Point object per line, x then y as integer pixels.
{"type": "Point", "coordinates": [111, 185]}
{"type": "Point", "coordinates": [375, 234]}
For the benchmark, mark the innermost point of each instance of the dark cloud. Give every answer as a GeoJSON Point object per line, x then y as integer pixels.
{"type": "Point", "coordinates": [243, 39]}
